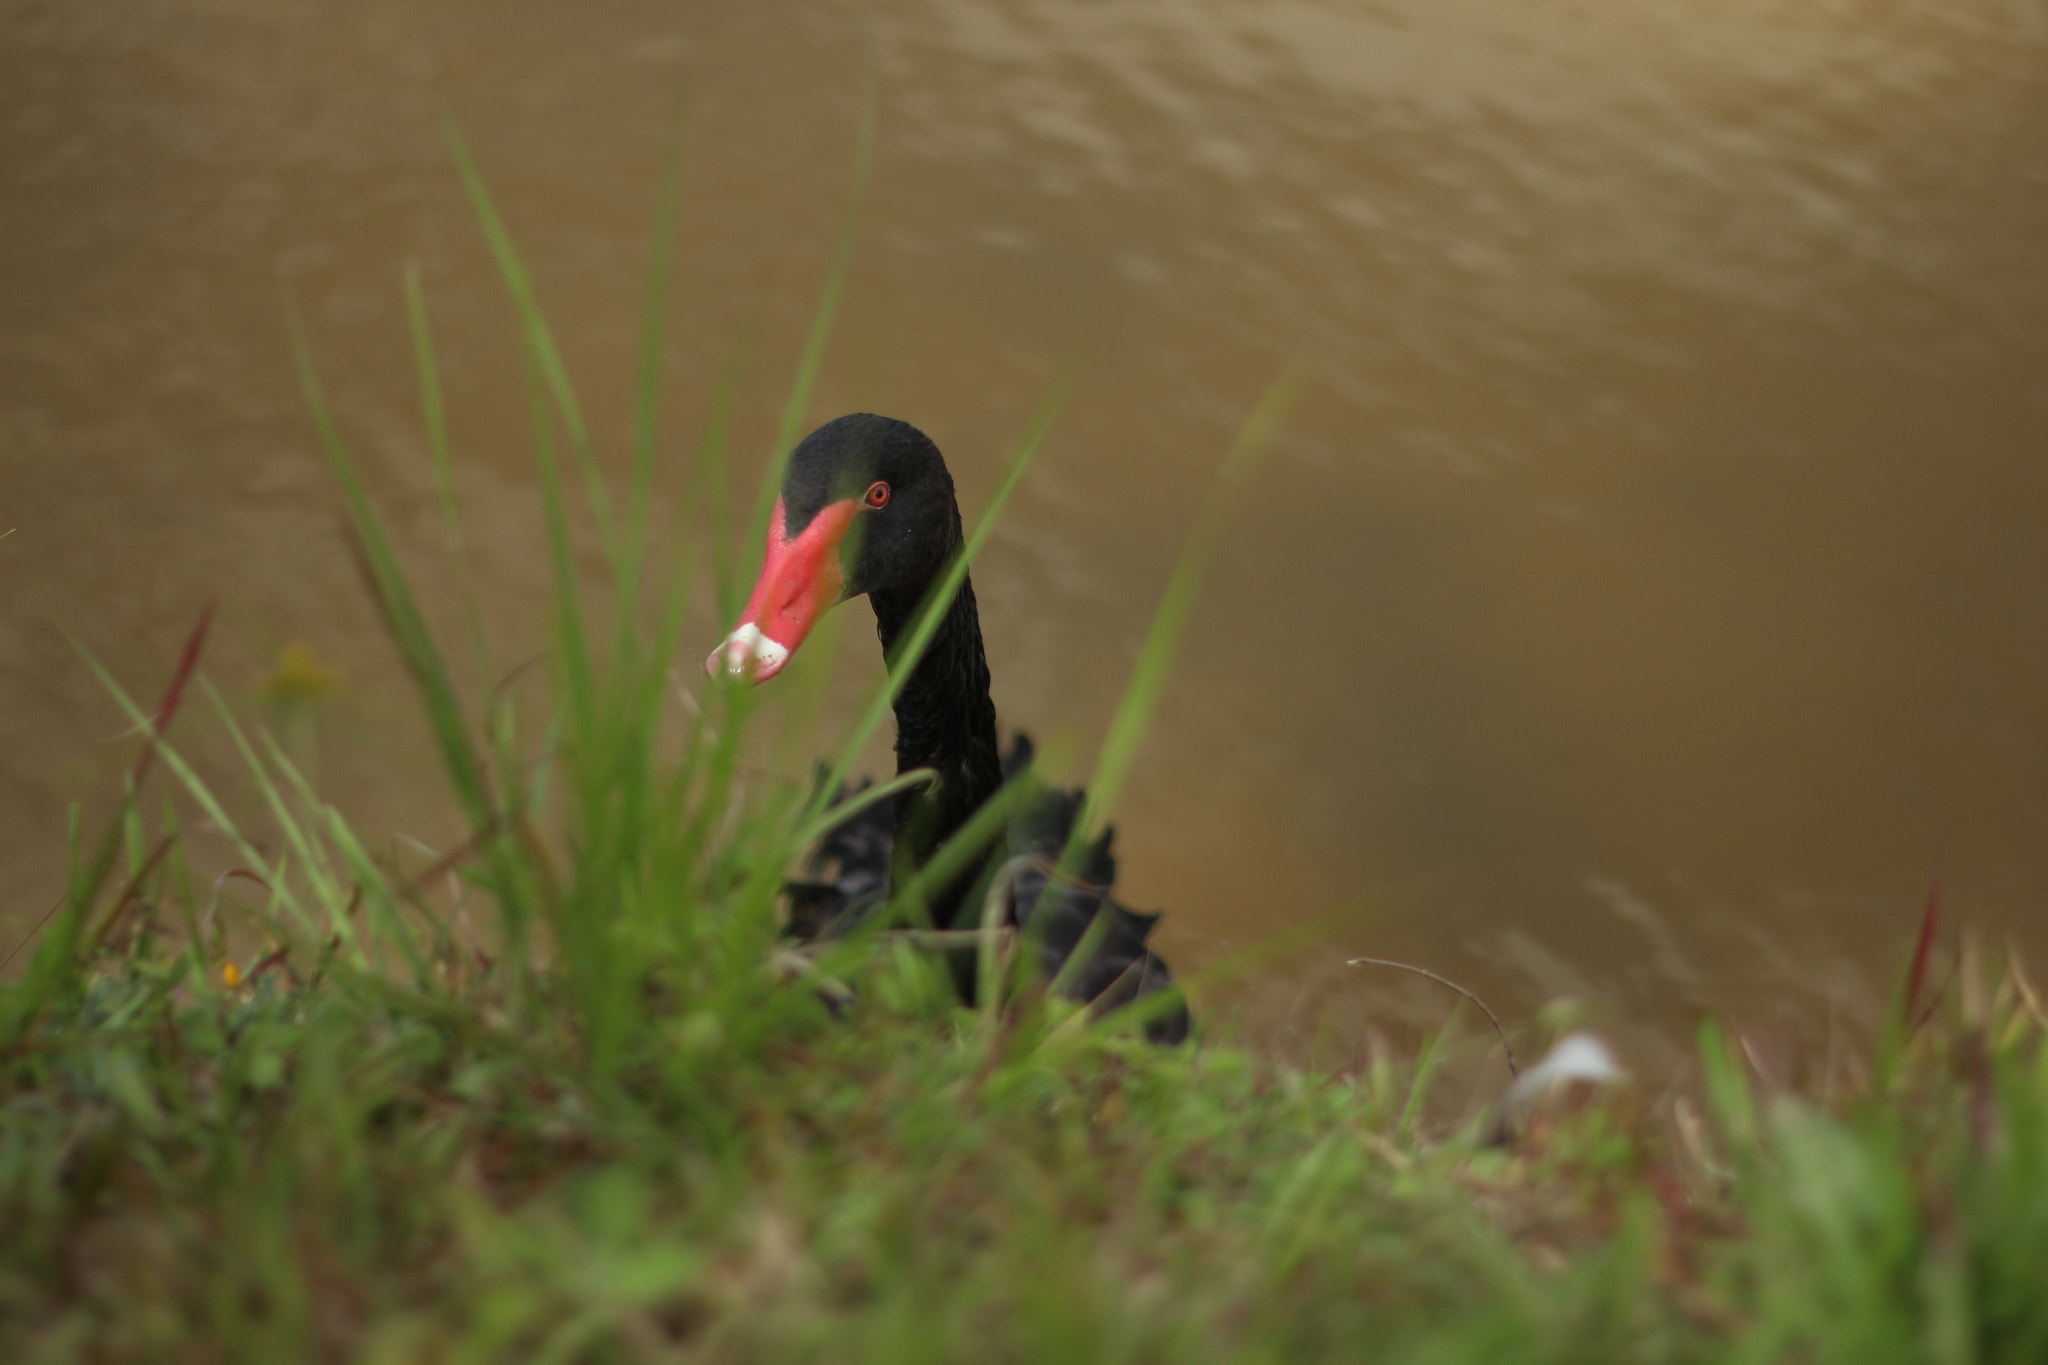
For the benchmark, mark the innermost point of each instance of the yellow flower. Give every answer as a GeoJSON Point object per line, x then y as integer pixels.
{"type": "Point", "coordinates": [298, 676]}
{"type": "Point", "coordinates": [230, 975]}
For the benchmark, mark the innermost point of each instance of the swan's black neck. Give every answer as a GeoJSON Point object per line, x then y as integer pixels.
{"type": "Point", "coordinates": [944, 721]}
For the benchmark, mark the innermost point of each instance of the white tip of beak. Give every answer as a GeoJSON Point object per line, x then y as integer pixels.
{"type": "Point", "coordinates": [747, 653]}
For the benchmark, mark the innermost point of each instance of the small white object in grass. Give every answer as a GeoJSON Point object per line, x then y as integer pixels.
{"type": "Point", "coordinates": [1574, 1057]}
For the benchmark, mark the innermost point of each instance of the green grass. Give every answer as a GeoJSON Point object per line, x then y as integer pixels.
{"type": "Point", "coordinates": [336, 1165]}
{"type": "Point", "coordinates": [584, 1105]}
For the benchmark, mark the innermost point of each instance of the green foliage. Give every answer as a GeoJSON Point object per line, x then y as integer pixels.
{"type": "Point", "coordinates": [353, 1168]}
{"type": "Point", "coordinates": [586, 1106]}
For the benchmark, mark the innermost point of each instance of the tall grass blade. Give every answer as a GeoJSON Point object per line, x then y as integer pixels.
{"type": "Point", "coordinates": [983, 826]}
{"type": "Point", "coordinates": [369, 880]}
{"type": "Point", "coordinates": [1727, 1086]}
{"type": "Point", "coordinates": [574, 644]}
{"type": "Point", "coordinates": [799, 400]}
{"type": "Point", "coordinates": [1426, 1063]}
{"type": "Point", "coordinates": [319, 873]}
{"type": "Point", "coordinates": [401, 610]}
{"type": "Point", "coordinates": [1148, 677]}
{"type": "Point", "coordinates": [174, 693]}
{"type": "Point", "coordinates": [58, 959]}
{"type": "Point", "coordinates": [540, 340]}
{"type": "Point", "coordinates": [195, 786]}
{"type": "Point", "coordinates": [130, 891]}
{"type": "Point", "coordinates": [181, 875]}
{"type": "Point", "coordinates": [436, 417]}
{"type": "Point", "coordinates": [1923, 951]}
{"type": "Point", "coordinates": [860, 801]}
{"type": "Point", "coordinates": [55, 905]}
{"type": "Point", "coordinates": [713, 450]}
{"type": "Point", "coordinates": [647, 392]}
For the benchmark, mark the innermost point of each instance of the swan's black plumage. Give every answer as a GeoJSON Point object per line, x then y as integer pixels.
{"type": "Point", "coordinates": [850, 873]}
{"type": "Point", "coordinates": [946, 721]}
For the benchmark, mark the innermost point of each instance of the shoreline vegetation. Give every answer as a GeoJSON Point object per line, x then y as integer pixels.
{"type": "Point", "coordinates": [565, 1094]}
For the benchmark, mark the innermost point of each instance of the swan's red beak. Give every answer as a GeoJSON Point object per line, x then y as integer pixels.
{"type": "Point", "coordinates": [800, 581]}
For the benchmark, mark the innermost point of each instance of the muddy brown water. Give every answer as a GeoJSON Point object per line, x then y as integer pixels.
{"type": "Point", "coordinates": [1644, 605]}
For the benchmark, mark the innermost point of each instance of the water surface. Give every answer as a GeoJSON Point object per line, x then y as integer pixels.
{"type": "Point", "coordinates": [1644, 605]}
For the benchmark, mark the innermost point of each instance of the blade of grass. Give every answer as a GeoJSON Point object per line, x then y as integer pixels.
{"type": "Point", "coordinates": [1148, 677]}
{"type": "Point", "coordinates": [574, 646]}
{"type": "Point", "coordinates": [444, 467]}
{"type": "Point", "coordinates": [58, 958]}
{"type": "Point", "coordinates": [131, 829]}
{"type": "Point", "coordinates": [860, 801]}
{"type": "Point", "coordinates": [1426, 1063]}
{"type": "Point", "coordinates": [909, 898]}
{"type": "Point", "coordinates": [402, 615]}
{"type": "Point", "coordinates": [369, 879]}
{"type": "Point", "coordinates": [1727, 1085]}
{"type": "Point", "coordinates": [647, 394]}
{"type": "Point", "coordinates": [712, 452]}
{"type": "Point", "coordinates": [992, 951]}
{"type": "Point", "coordinates": [799, 400]}
{"type": "Point", "coordinates": [174, 694]}
{"type": "Point", "coordinates": [319, 874]}
{"type": "Point", "coordinates": [1916, 977]}
{"type": "Point", "coordinates": [181, 874]}
{"type": "Point", "coordinates": [130, 890]}
{"type": "Point", "coordinates": [196, 786]}
{"type": "Point", "coordinates": [981, 827]}
{"type": "Point", "coordinates": [1169, 621]}
{"type": "Point", "coordinates": [35, 929]}
{"type": "Point", "coordinates": [540, 340]}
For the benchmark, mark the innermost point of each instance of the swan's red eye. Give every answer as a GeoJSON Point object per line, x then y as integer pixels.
{"type": "Point", "coordinates": [878, 494]}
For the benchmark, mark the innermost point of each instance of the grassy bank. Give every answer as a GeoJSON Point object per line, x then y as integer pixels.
{"type": "Point", "coordinates": [327, 1163]}
{"type": "Point", "coordinates": [561, 1093]}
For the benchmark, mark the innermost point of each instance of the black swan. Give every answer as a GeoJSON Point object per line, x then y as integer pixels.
{"type": "Point", "coordinates": [867, 506]}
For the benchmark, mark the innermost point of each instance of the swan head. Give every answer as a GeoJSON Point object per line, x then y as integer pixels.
{"type": "Point", "coordinates": [866, 505]}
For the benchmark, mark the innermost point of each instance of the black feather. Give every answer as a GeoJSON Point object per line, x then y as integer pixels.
{"type": "Point", "coordinates": [849, 880]}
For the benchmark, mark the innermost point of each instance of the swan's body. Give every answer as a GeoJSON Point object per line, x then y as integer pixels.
{"type": "Point", "coordinates": [867, 507]}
